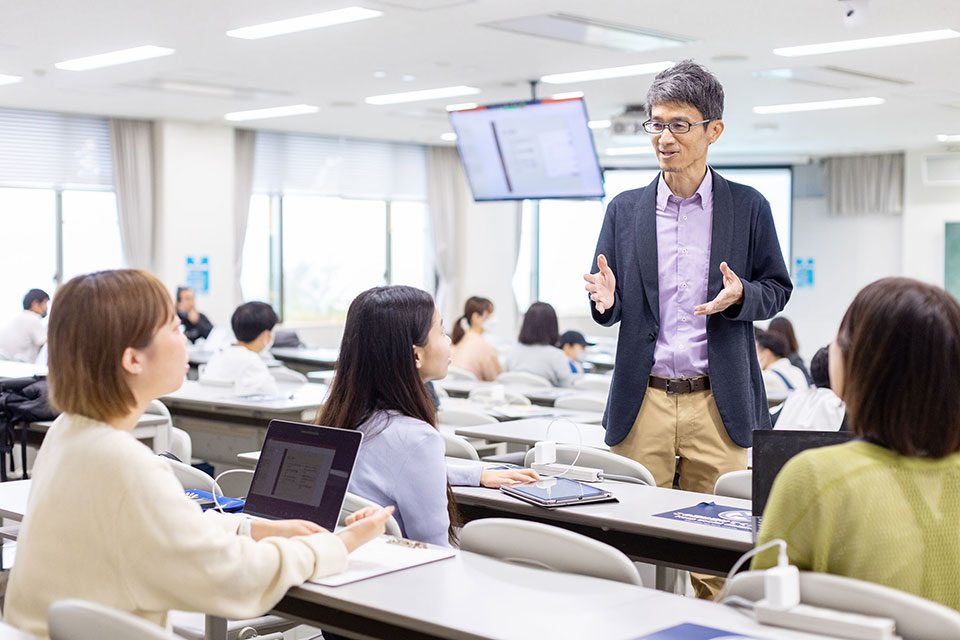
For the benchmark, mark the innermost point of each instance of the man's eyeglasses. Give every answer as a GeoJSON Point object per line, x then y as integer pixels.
{"type": "Point", "coordinates": [678, 126]}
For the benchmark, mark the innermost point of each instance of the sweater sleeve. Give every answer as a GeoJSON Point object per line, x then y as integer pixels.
{"type": "Point", "coordinates": [421, 491]}
{"type": "Point", "coordinates": [464, 473]}
{"type": "Point", "coordinates": [174, 557]}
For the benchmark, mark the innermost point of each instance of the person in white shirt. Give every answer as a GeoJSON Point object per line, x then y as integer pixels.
{"type": "Point", "coordinates": [107, 520]}
{"type": "Point", "coordinates": [817, 408]}
{"type": "Point", "coordinates": [23, 337]}
{"type": "Point", "coordinates": [539, 352]}
{"type": "Point", "coordinates": [241, 363]}
{"type": "Point", "coordinates": [779, 374]}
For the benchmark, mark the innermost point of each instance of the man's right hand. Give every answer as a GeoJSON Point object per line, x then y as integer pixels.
{"type": "Point", "coordinates": [601, 285]}
{"type": "Point", "coordinates": [193, 316]}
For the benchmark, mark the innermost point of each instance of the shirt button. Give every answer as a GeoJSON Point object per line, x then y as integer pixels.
{"type": "Point", "coordinates": [683, 250]}
{"type": "Point", "coordinates": [683, 285]}
{"type": "Point", "coordinates": [681, 346]}
{"type": "Point", "coordinates": [684, 217]}
{"type": "Point", "coordinates": [683, 318]}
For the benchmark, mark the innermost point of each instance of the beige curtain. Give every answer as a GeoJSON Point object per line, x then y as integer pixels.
{"type": "Point", "coordinates": [864, 184]}
{"type": "Point", "coordinates": [243, 149]}
{"type": "Point", "coordinates": [446, 196]}
{"type": "Point", "coordinates": [131, 148]}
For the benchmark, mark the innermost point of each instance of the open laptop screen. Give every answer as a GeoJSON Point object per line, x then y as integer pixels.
{"type": "Point", "coordinates": [303, 472]}
{"type": "Point", "coordinates": [772, 449]}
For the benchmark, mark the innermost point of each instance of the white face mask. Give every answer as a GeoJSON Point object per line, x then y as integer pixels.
{"type": "Point", "coordinates": [490, 323]}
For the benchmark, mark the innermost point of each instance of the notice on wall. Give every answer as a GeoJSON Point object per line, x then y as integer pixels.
{"type": "Point", "coordinates": [198, 274]}
{"type": "Point", "coordinates": [713, 515]}
{"type": "Point", "coordinates": [803, 272]}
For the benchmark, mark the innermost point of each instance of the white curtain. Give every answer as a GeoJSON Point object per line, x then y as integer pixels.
{"type": "Point", "coordinates": [864, 184]}
{"type": "Point", "coordinates": [446, 196]}
{"type": "Point", "coordinates": [131, 148]}
{"type": "Point", "coordinates": [243, 146]}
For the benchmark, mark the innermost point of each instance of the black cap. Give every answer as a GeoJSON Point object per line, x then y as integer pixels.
{"type": "Point", "coordinates": [574, 337]}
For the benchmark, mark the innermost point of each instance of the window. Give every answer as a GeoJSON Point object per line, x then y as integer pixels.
{"type": "Point", "coordinates": [411, 258]}
{"type": "Point", "coordinates": [29, 256]}
{"type": "Point", "coordinates": [91, 232]}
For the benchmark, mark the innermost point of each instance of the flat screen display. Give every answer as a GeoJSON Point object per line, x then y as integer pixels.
{"type": "Point", "coordinates": [528, 150]}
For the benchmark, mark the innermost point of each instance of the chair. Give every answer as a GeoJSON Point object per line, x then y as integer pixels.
{"type": "Point", "coordinates": [282, 374]}
{"type": "Point", "coordinates": [456, 373]}
{"type": "Point", "coordinates": [916, 617]}
{"type": "Point", "coordinates": [581, 402]}
{"type": "Point", "coordinates": [498, 396]}
{"type": "Point", "coordinates": [464, 418]}
{"type": "Point", "coordinates": [735, 484]}
{"type": "Point", "coordinates": [593, 383]}
{"type": "Point", "coordinates": [82, 620]}
{"type": "Point", "coordinates": [440, 391]}
{"type": "Point", "coordinates": [552, 548]}
{"type": "Point", "coordinates": [608, 462]}
{"type": "Point", "coordinates": [459, 447]}
{"type": "Point", "coordinates": [523, 379]}
{"type": "Point", "coordinates": [353, 503]}
{"type": "Point", "coordinates": [164, 435]}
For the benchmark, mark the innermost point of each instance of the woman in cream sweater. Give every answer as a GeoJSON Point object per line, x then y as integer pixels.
{"type": "Point", "coordinates": [107, 521]}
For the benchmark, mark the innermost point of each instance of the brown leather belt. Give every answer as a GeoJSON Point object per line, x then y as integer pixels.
{"type": "Point", "coordinates": [676, 386]}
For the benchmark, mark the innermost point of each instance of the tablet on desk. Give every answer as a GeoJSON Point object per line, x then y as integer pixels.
{"type": "Point", "coordinates": [557, 492]}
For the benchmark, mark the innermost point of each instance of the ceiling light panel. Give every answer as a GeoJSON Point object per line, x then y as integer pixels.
{"type": "Point", "coordinates": [113, 58]}
{"type": "Point", "coordinates": [819, 106]}
{"type": "Point", "coordinates": [304, 23]}
{"type": "Point", "coordinates": [586, 31]}
{"type": "Point", "coordinates": [606, 74]}
{"type": "Point", "coordinates": [272, 112]}
{"type": "Point", "coordinates": [425, 94]}
{"type": "Point", "coordinates": [867, 43]}
{"type": "Point", "coordinates": [948, 137]}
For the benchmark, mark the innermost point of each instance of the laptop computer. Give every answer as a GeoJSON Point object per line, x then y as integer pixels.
{"type": "Point", "coordinates": [303, 473]}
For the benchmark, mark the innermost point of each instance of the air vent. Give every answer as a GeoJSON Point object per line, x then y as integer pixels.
{"type": "Point", "coordinates": [941, 169]}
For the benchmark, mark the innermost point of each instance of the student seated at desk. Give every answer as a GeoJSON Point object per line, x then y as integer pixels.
{"type": "Point", "coordinates": [779, 374]}
{"type": "Point", "coordinates": [573, 344]}
{"type": "Point", "coordinates": [23, 337]}
{"type": "Point", "coordinates": [884, 508]}
{"type": "Point", "coordinates": [107, 521]}
{"type": "Point", "coordinates": [538, 351]}
{"type": "Point", "coordinates": [470, 350]}
{"type": "Point", "coordinates": [817, 408]}
{"type": "Point", "coordinates": [241, 362]}
{"type": "Point", "coordinates": [195, 324]}
{"type": "Point", "coordinates": [393, 343]}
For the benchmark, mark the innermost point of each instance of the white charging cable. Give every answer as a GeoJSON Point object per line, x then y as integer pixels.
{"type": "Point", "coordinates": [781, 583]}
{"type": "Point", "coordinates": [579, 444]}
{"type": "Point", "coordinates": [217, 489]}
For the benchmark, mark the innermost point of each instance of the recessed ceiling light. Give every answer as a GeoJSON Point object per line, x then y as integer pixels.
{"type": "Point", "coordinates": [567, 95]}
{"type": "Point", "coordinates": [867, 43]}
{"type": "Point", "coordinates": [599, 124]}
{"type": "Point", "coordinates": [463, 106]}
{"type": "Point", "coordinates": [304, 23]}
{"type": "Point", "coordinates": [818, 106]}
{"type": "Point", "coordinates": [114, 58]}
{"type": "Point", "coordinates": [408, 78]}
{"type": "Point", "coordinates": [948, 137]}
{"type": "Point", "coordinates": [379, 74]}
{"type": "Point", "coordinates": [605, 74]}
{"type": "Point", "coordinates": [426, 94]}
{"type": "Point", "coordinates": [272, 112]}
{"type": "Point", "coordinates": [5, 79]}
{"type": "Point", "coordinates": [448, 137]}
{"type": "Point", "coordinates": [627, 151]}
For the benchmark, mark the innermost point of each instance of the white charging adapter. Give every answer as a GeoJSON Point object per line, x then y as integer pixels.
{"type": "Point", "coordinates": [781, 584]}
{"type": "Point", "coordinates": [545, 452]}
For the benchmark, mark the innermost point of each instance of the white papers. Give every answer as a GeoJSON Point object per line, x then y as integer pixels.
{"type": "Point", "coordinates": [381, 556]}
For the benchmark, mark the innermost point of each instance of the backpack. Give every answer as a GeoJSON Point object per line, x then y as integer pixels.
{"type": "Point", "coordinates": [22, 401]}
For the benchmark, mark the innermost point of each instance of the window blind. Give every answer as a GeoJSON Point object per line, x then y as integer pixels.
{"type": "Point", "coordinates": [297, 163]}
{"type": "Point", "coordinates": [54, 150]}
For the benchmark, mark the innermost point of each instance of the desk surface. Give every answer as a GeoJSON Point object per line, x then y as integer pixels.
{"type": "Point", "coordinates": [146, 420]}
{"type": "Point", "coordinates": [322, 358]}
{"type": "Point", "coordinates": [455, 598]}
{"type": "Point", "coordinates": [294, 398]}
{"type": "Point", "coordinates": [10, 633]}
{"type": "Point", "coordinates": [533, 430]}
{"type": "Point", "coordinates": [508, 413]}
{"type": "Point", "coordinates": [538, 395]}
{"type": "Point", "coordinates": [12, 369]}
{"type": "Point", "coordinates": [13, 499]}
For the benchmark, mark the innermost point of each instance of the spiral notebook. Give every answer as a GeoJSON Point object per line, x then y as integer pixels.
{"type": "Point", "coordinates": [384, 555]}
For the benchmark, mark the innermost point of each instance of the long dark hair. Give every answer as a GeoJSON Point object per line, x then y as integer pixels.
{"type": "Point", "coordinates": [783, 326]}
{"type": "Point", "coordinates": [377, 370]}
{"type": "Point", "coordinates": [540, 325]}
{"type": "Point", "coordinates": [474, 304]}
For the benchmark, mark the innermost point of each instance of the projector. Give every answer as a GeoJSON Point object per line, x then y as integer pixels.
{"type": "Point", "coordinates": [630, 122]}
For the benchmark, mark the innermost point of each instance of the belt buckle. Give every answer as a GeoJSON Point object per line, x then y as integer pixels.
{"type": "Point", "coordinates": [685, 384]}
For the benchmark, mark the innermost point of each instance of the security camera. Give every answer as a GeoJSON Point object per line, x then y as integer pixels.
{"type": "Point", "coordinates": [854, 12]}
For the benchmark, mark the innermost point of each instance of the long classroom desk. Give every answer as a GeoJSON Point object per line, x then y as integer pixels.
{"type": "Point", "coordinates": [545, 396]}
{"type": "Point", "coordinates": [306, 360]}
{"type": "Point", "coordinates": [510, 412]}
{"type": "Point", "coordinates": [13, 369]}
{"type": "Point", "coordinates": [532, 430]}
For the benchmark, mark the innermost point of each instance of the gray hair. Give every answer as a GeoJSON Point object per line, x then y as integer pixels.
{"type": "Point", "coordinates": [690, 83]}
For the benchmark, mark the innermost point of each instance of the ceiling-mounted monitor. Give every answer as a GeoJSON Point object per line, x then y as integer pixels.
{"type": "Point", "coordinates": [528, 150]}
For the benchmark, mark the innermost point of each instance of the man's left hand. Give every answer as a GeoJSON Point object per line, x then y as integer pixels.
{"type": "Point", "coordinates": [731, 294]}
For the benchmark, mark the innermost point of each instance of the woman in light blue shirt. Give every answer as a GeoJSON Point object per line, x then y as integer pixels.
{"type": "Point", "coordinates": [393, 343]}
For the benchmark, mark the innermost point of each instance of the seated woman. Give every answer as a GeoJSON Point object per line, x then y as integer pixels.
{"type": "Point", "coordinates": [107, 521]}
{"type": "Point", "coordinates": [539, 352]}
{"type": "Point", "coordinates": [884, 508]}
{"type": "Point", "coordinates": [241, 363]}
{"type": "Point", "coordinates": [779, 374]}
{"type": "Point", "coordinates": [471, 351]}
{"type": "Point", "coordinates": [393, 343]}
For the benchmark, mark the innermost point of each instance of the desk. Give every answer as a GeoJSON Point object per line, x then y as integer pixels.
{"type": "Point", "coordinates": [12, 369]}
{"type": "Point", "coordinates": [323, 377]}
{"type": "Point", "coordinates": [146, 428]}
{"type": "Point", "coordinates": [544, 396]}
{"type": "Point", "coordinates": [306, 360]}
{"type": "Point", "coordinates": [630, 525]}
{"type": "Point", "coordinates": [13, 499]}
{"type": "Point", "coordinates": [532, 430]}
{"type": "Point", "coordinates": [11, 633]}
{"type": "Point", "coordinates": [508, 413]}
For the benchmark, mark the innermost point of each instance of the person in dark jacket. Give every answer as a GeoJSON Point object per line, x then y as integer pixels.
{"type": "Point", "coordinates": [195, 324]}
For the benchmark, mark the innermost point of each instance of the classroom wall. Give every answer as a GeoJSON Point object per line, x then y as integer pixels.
{"type": "Point", "coordinates": [929, 208]}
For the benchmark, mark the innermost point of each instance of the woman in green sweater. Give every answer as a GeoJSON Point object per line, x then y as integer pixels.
{"type": "Point", "coordinates": [885, 507]}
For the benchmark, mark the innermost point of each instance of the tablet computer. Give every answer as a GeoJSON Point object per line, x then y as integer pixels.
{"type": "Point", "coordinates": [557, 492]}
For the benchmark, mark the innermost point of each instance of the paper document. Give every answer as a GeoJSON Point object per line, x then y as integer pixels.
{"type": "Point", "coordinates": [385, 555]}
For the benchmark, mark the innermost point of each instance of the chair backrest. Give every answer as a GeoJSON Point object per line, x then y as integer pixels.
{"type": "Point", "coordinates": [282, 374]}
{"type": "Point", "coordinates": [593, 383]}
{"type": "Point", "coordinates": [456, 373]}
{"type": "Point", "coordinates": [458, 447]}
{"type": "Point", "coordinates": [190, 477]}
{"type": "Point", "coordinates": [164, 436]}
{"type": "Point", "coordinates": [553, 548]}
{"type": "Point", "coordinates": [498, 395]}
{"type": "Point", "coordinates": [352, 503]}
{"type": "Point", "coordinates": [82, 620]}
{"type": "Point", "coordinates": [916, 617]}
{"type": "Point", "coordinates": [464, 418]}
{"type": "Point", "coordinates": [180, 444]}
{"type": "Point", "coordinates": [606, 461]}
{"type": "Point", "coordinates": [581, 402]}
{"type": "Point", "coordinates": [735, 484]}
{"type": "Point", "coordinates": [524, 379]}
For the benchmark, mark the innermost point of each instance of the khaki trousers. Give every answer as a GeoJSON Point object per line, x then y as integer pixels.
{"type": "Point", "coordinates": [687, 426]}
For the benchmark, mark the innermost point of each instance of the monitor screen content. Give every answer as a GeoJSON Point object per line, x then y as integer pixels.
{"type": "Point", "coordinates": [528, 150]}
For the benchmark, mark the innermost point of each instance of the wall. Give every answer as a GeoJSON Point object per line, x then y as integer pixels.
{"type": "Point", "coordinates": [929, 207]}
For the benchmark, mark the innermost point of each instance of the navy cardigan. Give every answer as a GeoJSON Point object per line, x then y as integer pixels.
{"type": "Point", "coordinates": [745, 238]}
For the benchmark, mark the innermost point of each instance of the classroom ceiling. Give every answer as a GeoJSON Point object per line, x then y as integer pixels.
{"type": "Point", "coordinates": [425, 44]}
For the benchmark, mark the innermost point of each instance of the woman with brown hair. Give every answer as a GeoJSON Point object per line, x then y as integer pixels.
{"type": "Point", "coordinates": [886, 507]}
{"type": "Point", "coordinates": [785, 328]}
{"type": "Point", "coordinates": [539, 350]}
{"type": "Point", "coordinates": [107, 521]}
{"type": "Point", "coordinates": [471, 351]}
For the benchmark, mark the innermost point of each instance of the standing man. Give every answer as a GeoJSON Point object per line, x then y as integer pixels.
{"type": "Point", "coordinates": [195, 324]}
{"type": "Point", "coordinates": [686, 265]}
{"type": "Point", "coordinates": [22, 339]}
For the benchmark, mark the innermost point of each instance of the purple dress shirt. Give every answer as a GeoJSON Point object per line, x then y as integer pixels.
{"type": "Point", "coordinates": [684, 229]}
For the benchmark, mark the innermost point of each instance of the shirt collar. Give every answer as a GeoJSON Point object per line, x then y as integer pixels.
{"type": "Point", "coordinates": [704, 192]}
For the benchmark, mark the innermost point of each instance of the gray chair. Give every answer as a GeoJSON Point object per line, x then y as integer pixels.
{"type": "Point", "coordinates": [498, 395]}
{"type": "Point", "coordinates": [582, 402]}
{"type": "Point", "coordinates": [464, 418]}
{"type": "Point", "coordinates": [178, 441]}
{"type": "Point", "coordinates": [282, 374]}
{"type": "Point", "coordinates": [456, 373]}
{"type": "Point", "coordinates": [459, 447]}
{"type": "Point", "coordinates": [735, 484]}
{"type": "Point", "coordinates": [593, 383]}
{"type": "Point", "coordinates": [547, 547]}
{"type": "Point", "coordinates": [353, 503]}
{"type": "Point", "coordinates": [916, 617]}
{"type": "Point", "coordinates": [608, 462]}
{"type": "Point", "coordinates": [523, 379]}
{"type": "Point", "coordinates": [82, 620]}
